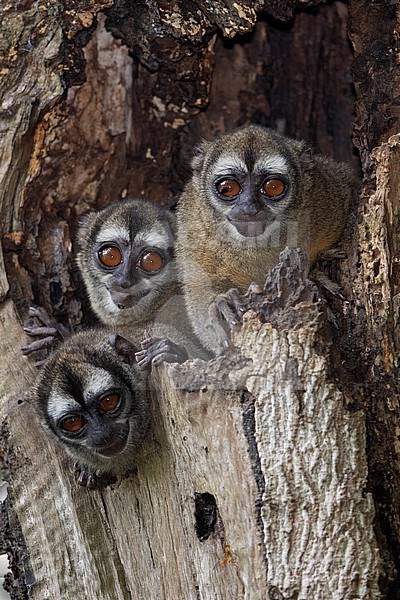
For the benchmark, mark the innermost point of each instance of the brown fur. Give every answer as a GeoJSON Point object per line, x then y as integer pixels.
{"type": "Point", "coordinates": [213, 258]}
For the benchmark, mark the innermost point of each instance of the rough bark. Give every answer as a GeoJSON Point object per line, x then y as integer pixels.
{"type": "Point", "coordinates": [134, 131]}
{"type": "Point", "coordinates": [241, 448]}
{"type": "Point", "coordinates": [254, 485]}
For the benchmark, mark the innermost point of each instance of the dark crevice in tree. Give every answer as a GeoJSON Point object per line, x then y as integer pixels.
{"type": "Point", "coordinates": [249, 428]}
{"type": "Point", "coordinates": [205, 514]}
{"type": "Point", "coordinates": [20, 578]}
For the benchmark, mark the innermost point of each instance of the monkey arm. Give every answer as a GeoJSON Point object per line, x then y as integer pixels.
{"type": "Point", "coordinates": [225, 315]}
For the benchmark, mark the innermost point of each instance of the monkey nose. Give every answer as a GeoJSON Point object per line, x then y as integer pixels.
{"type": "Point", "coordinates": [110, 442]}
{"type": "Point", "coordinates": [127, 298]}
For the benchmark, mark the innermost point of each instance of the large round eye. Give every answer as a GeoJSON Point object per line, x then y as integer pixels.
{"type": "Point", "coordinates": [151, 261]}
{"type": "Point", "coordinates": [72, 424]}
{"type": "Point", "coordinates": [108, 403]}
{"type": "Point", "coordinates": [110, 256]}
{"type": "Point", "coordinates": [228, 188]}
{"type": "Point", "coordinates": [273, 188]}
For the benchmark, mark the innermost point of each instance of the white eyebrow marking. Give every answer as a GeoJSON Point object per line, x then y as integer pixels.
{"type": "Point", "coordinates": [60, 405]}
{"type": "Point", "coordinates": [98, 382]}
{"type": "Point", "coordinates": [229, 164]}
{"type": "Point", "coordinates": [274, 163]}
{"type": "Point", "coordinates": [153, 237]}
{"type": "Point", "coordinates": [110, 233]}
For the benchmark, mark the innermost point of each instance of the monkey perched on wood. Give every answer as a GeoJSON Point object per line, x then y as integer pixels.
{"type": "Point", "coordinates": [252, 193]}
{"type": "Point", "coordinates": [127, 262]}
{"type": "Point", "coordinates": [92, 398]}
{"type": "Point", "coordinates": [126, 259]}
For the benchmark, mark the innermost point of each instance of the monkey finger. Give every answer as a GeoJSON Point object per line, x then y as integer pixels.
{"type": "Point", "coordinates": [37, 345]}
{"type": "Point", "coordinates": [40, 314]}
{"type": "Point", "coordinates": [81, 477]}
{"type": "Point", "coordinates": [146, 343]}
{"type": "Point", "coordinates": [234, 300]}
{"type": "Point", "coordinates": [141, 358]}
{"type": "Point", "coordinates": [36, 331]}
{"type": "Point", "coordinates": [85, 476]}
{"type": "Point", "coordinates": [164, 350]}
{"type": "Point", "coordinates": [233, 321]}
{"type": "Point", "coordinates": [143, 361]}
{"type": "Point", "coordinates": [220, 334]}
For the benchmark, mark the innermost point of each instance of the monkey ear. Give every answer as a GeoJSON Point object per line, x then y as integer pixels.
{"type": "Point", "coordinates": [198, 158]}
{"type": "Point", "coordinates": [84, 222]}
{"type": "Point", "coordinates": [123, 347]}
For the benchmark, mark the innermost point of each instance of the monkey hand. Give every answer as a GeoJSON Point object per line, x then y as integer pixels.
{"type": "Point", "coordinates": [324, 283]}
{"type": "Point", "coordinates": [92, 478]}
{"type": "Point", "coordinates": [225, 315]}
{"type": "Point", "coordinates": [158, 350]}
{"type": "Point", "coordinates": [46, 331]}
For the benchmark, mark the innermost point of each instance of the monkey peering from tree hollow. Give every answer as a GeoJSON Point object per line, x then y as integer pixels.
{"type": "Point", "coordinates": [126, 258]}
{"type": "Point", "coordinates": [92, 398]}
{"type": "Point", "coordinates": [90, 394]}
{"type": "Point", "coordinates": [253, 192]}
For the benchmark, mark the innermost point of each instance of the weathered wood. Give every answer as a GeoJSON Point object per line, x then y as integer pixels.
{"type": "Point", "coordinates": [373, 30]}
{"type": "Point", "coordinates": [267, 437]}
{"type": "Point", "coordinates": [369, 345]}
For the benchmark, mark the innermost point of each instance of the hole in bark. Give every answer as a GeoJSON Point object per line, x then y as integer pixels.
{"type": "Point", "coordinates": [56, 293]}
{"type": "Point", "coordinates": [205, 513]}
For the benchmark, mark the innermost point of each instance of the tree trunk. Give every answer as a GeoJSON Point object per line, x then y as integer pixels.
{"type": "Point", "coordinates": [269, 472]}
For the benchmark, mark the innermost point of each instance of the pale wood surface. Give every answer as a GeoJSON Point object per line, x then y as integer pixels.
{"type": "Point", "coordinates": [288, 483]}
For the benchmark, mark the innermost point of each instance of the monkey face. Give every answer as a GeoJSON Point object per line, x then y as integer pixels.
{"type": "Point", "coordinates": [130, 270]}
{"type": "Point", "coordinates": [93, 402]}
{"type": "Point", "coordinates": [249, 178]}
{"type": "Point", "coordinates": [127, 260]}
{"type": "Point", "coordinates": [98, 423]}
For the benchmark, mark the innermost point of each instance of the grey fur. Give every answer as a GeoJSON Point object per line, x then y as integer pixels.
{"type": "Point", "coordinates": [70, 382]}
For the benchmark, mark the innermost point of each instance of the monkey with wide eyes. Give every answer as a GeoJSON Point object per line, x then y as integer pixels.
{"type": "Point", "coordinates": [253, 192]}
{"type": "Point", "coordinates": [92, 398]}
{"type": "Point", "coordinates": [126, 259]}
